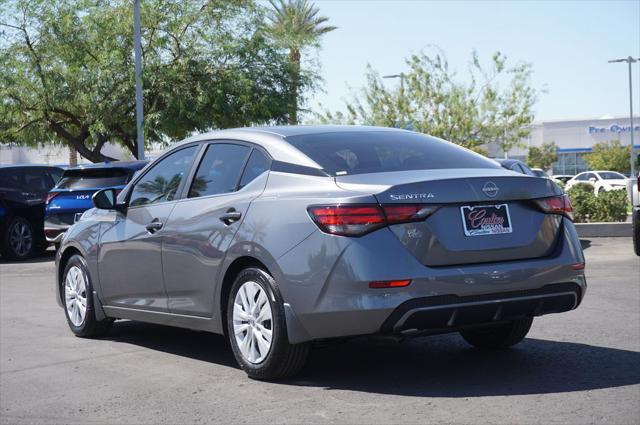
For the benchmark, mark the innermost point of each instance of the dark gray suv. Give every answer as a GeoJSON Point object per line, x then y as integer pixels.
{"type": "Point", "coordinates": [281, 236]}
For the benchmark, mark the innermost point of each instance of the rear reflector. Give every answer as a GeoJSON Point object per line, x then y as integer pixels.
{"type": "Point", "coordinates": [389, 284]}
{"type": "Point", "coordinates": [578, 266]}
{"type": "Point", "coordinates": [357, 220]}
{"type": "Point", "coordinates": [556, 205]}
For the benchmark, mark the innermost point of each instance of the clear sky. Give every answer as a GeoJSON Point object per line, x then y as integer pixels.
{"type": "Point", "coordinates": [568, 43]}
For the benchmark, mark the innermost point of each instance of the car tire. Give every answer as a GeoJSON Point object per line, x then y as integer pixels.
{"type": "Point", "coordinates": [19, 241]}
{"type": "Point", "coordinates": [77, 292]}
{"type": "Point", "coordinates": [635, 226]}
{"type": "Point", "coordinates": [257, 329]}
{"type": "Point", "coordinates": [498, 336]}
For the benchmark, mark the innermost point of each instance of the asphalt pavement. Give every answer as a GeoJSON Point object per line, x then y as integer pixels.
{"type": "Point", "coordinates": [577, 367]}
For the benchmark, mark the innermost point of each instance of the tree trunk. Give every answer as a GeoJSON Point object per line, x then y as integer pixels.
{"type": "Point", "coordinates": [294, 59]}
{"type": "Point", "coordinates": [73, 157]}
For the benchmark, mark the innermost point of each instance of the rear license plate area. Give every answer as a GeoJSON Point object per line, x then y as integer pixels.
{"type": "Point", "coordinates": [481, 220]}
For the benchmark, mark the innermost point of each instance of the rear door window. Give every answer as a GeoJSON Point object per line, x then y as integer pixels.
{"type": "Point", "coordinates": [219, 170]}
{"type": "Point", "coordinates": [343, 153]}
{"type": "Point", "coordinates": [94, 178]}
{"type": "Point", "coordinates": [258, 163]}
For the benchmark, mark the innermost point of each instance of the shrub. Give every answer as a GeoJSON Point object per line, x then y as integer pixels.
{"type": "Point", "coordinates": [587, 207]}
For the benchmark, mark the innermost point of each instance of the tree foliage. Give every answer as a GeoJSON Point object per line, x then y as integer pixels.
{"type": "Point", "coordinates": [67, 73]}
{"type": "Point", "coordinates": [493, 105]}
{"type": "Point", "coordinates": [611, 156]}
{"type": "Point", "coordinates": [542, 157]}
{"type": "Point", "coordinates": [294, 25]}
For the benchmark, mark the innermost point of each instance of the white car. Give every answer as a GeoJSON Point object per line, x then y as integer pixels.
{"type": "Point", "coordinates": [602, 181]}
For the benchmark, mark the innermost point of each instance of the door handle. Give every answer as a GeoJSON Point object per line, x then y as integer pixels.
{"type": "Point", "coordinates": [154, 226]}
{"type": "Point", "coordinates": [231, 216]}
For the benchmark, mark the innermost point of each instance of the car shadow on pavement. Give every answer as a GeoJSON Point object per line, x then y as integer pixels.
{"type": "Point", "coordinates": [46, 256]}
{"type": "Point", "coordinates": [445, 366]}
{"type": "Point", "coordinates": [203, 346]}
{"type": "Point", "coordinates": [435, 366]}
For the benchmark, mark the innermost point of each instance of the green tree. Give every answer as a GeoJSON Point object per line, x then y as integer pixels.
{"type": "Point", "coordinates": [294, 25]}
{"type": "Point", "coordinates": [493, 105]}
{"type": "Point", "coordinates": [542, 157]}
{"type": "Point", "coordinates": [611, 156]}
{"type": "Point", "coordinates": [66, 71]}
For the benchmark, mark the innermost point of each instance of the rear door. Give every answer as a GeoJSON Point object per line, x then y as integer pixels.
{"type": "Point", "coordinates": [130, 263]}
{"type": "Point", "coordinates": [202, 225]}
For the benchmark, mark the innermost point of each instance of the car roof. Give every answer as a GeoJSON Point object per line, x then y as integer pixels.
{"type": "Point", "coordinates": [273, 138]}
{"type": "Point", "coordinates": [130, 165]}
{"type": "Point", "coordinates": [31, 166]}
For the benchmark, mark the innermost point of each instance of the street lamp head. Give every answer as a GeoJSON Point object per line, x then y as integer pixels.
{"type": "Point", "coordinates": [627, 60]}
{"type": "Point", "coordinates": [393, 76]}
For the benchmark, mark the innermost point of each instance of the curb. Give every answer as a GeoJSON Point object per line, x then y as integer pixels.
{"type": "Point", "coordinates": [603, 230]}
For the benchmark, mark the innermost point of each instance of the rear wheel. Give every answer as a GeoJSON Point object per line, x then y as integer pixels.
{"type": "Point", "coordinates": [257, 329]}
{"type": "Point", "coordinates": [498, 336]}
{"type": "Point", "coordinates": [19, 240]}
{"type": "Point", "coordinates": [78, 301]}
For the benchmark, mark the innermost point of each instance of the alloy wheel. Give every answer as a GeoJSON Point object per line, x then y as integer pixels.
{"type": "Point", "coordinates": [253, 322]}
{"type": "Point", "coordinates": [75, 294]}
{"type": "Point", "coordinates": [21, 238]}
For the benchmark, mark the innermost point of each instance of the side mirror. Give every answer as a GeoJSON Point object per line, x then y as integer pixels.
{"type": "Point", "coordinates": [105, 199]}
{"type": "Point", "coordinates": [592, 180]}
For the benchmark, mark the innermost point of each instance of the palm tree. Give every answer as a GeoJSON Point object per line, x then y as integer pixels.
{"type": "Point", "coordinates": [295, 24]}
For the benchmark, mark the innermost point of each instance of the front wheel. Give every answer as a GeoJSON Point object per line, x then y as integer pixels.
{"type": "Point", "coordinates": [498, 336]}
{"type": "Point", "coordinates": [78, 301]}
{"type": "Point", "coordinates": [257, 329]}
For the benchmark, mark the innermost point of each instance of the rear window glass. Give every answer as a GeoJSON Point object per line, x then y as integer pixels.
{"type": "Point", "coordinates": [94, 178]}
{"type": "Point", "coordinates": [377, 152]}
{"type": "Point", "coordinates": [611, 175]}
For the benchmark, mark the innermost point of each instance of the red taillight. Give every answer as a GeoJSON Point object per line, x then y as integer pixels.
{"type": "Point", "coordinates": [390, 284]}
{"type": "Point", "coordinates": [347, 220]}
{"type": "Point", "coordinates": [578, 266]}
{"type": "Point", "coordinates": [357, 220]}
{"type": "Point", "coordinates": [50, 196]}
{"type": "Point", "coordinates": [556, 205]}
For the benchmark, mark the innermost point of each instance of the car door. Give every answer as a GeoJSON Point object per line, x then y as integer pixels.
{"type": "Point", "coordinates": [130, 263]}
{"type": "Point", "coordinates": [203, 224]}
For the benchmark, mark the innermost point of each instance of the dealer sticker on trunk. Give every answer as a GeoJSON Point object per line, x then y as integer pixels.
{"type": "Point", "coordinates": [481, 220]}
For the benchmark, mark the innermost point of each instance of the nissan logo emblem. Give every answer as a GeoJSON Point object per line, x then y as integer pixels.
{"type": "Point", "coordinates": [490, 189]}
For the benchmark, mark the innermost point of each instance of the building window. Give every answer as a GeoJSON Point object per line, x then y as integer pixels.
{"type": "Point", "coordinates": [570, 163]}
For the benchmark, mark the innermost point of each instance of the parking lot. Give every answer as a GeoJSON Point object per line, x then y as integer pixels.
{"type": "Point", "coordinates": [578, 367]}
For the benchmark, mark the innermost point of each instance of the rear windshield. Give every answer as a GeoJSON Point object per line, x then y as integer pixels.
{"type": "Point", "coordinates": [611, 175]}
{"type": "Point", "coordinates": [377, 152]}
{"type": "Point", "coordinates": [94, 178]}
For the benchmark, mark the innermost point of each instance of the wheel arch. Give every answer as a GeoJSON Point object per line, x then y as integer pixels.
{"type": "Point", "coordinates": [236, 266]}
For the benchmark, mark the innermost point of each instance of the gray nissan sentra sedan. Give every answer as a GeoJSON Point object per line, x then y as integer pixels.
{"type": "Point", "coordinates": [281, 236]}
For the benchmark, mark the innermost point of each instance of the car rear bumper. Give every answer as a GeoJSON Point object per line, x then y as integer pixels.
{"type": "Point", "coordinates": [451, 312]}
{"type": "Point", "coordinates": [55, 225]}
{"type": "Point", "coordinates": [336, 301]}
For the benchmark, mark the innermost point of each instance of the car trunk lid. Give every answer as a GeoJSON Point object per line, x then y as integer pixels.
{"type": "Point", "coordinates": [480, 215]}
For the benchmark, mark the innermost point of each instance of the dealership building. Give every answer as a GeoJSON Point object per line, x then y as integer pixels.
{"type": "Point", "coordinates": [574, 139]}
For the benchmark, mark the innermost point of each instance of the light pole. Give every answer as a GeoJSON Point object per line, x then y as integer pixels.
{"type": "Point", "coordinates": [137, 47]}
{"type": "Point", "coordinates": [629, 60]}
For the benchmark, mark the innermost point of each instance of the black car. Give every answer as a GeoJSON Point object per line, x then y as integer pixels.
{"type": "Point", "coordinates": [23, 191]}
{"type": "Point", "coordinates": [517, 166]}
